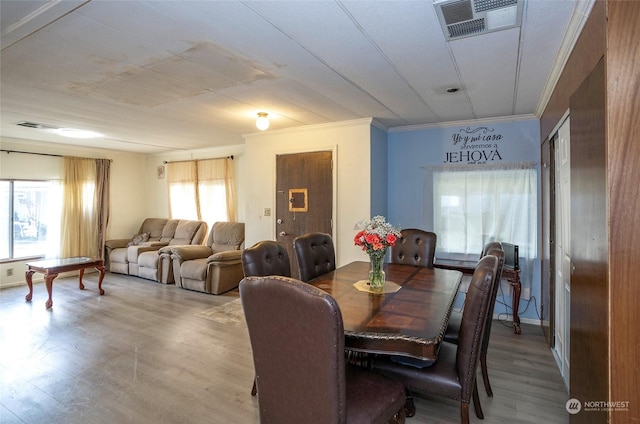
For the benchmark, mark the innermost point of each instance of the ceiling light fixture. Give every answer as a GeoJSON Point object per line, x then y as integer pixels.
{"type": "Point", "coordinates": [75, 133]}
{"type": "Point", "coordinates": [262, 123]}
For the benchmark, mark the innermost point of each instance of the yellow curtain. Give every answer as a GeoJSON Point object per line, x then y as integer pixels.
{"type": "Point", "coordinates": [203, 190]}
{"type": "Point", "coordinates": [79, 228]}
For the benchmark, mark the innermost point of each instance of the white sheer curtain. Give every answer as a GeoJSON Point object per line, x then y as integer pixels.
{"type": "Point", "coordinates": [216, 190]}
{"type": "Point", "coordinates": [473, 205]}
{"type": "Point", "coordinates": [182, 181]}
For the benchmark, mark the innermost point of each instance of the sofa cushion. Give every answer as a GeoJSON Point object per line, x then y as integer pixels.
{"type": "Point", "coordinates": [195, 269]}
{"type": "Point", "coordinates": [154, 227]}
{"type": "Point", "coordinates": [185, 232]}
{"type": "Point", "coordinates": [169, 230]}
{"type": "Point", "coordinates": [227, 236]}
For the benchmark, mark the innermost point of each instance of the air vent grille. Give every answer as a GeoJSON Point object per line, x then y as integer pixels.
{"type": "Point", "coordinates": [37, 125]}
{"type": "Point", "coordinates": [457, 12]}
{"type": "Point", "coordinates": [484, 5]}
{"type": "Point", "coordinates": [464, 18]}
{"type": "Point", "coordinates": [466, 28]}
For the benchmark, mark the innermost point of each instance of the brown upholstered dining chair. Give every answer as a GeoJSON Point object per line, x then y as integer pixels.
{"type": "Point", "coordinates": [415, 247]}
{"type": "Point", "coordinates": [453, 328]}
{"type": "Point", "coordinates": [297, 338]}
{"type": "Point", "coordinates": [315, 255]}
{"type": "Point", "coordinates": [264, 258]}
{"type": "Point", "coordinates": [453, 374]}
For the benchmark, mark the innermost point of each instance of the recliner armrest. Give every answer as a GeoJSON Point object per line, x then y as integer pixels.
{"type": "Point", "coordinates": [116, 243]}
{"type": "Point", "coordinates": [225, 256]}
{"type": "Point", "coordinates": [187, 253]}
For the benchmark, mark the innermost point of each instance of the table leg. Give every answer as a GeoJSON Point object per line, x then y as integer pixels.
{"type": "Point", "coordinates": [80, 285]}
{"type": "Point", "coordinates": [101, 270]}
{"type": "Point", "coordinates": [517, 288]}
{"type": "Point", "coordinates": [48, 281]}
{"type": "Point", "coordinates": [27, 276]}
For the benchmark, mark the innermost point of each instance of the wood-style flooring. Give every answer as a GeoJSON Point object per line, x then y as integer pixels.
{"type": "Point", "coordinates": [140, 354]}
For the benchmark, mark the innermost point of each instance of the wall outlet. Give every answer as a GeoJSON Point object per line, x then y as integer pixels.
{"type": "Point", "coordinates": [9, 272]}
{"type": "Point", "coordinates": [267, 211]}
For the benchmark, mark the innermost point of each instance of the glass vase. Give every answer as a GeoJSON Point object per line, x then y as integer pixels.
{"type": "Point", "coordinates": [376, 274]}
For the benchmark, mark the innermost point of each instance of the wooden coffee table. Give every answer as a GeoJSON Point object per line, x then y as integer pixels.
{"type": "Point", "coordinates": [52, 267]}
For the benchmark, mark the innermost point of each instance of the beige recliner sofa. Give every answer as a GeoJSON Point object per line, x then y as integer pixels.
{"type": "Point", "coordinates": [139, 256]}
{"type": "Point", "coordinates": [213, 268]}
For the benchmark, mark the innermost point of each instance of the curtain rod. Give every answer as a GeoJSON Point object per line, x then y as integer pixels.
{"type": "Point", "coordinates": [191, 160]}
{"type": "Point", "coordinates": [46, 154]}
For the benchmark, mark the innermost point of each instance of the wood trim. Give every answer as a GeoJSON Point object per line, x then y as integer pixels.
{"type": "Point", "coordinates": [589, 49]}
{"type": "Point", "coordinates": [623, 156]}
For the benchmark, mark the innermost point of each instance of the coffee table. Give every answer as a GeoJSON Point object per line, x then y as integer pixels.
{"type": "Point", "coordinates": [52, 267]}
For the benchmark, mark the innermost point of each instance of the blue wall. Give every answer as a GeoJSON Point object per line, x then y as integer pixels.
{"type": "Point", "coordinates": [410, 151]}
{"type": "Point", "coordinates": [379, 172]}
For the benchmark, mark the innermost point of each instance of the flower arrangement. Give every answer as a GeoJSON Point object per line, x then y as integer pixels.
{"type": "Point", "coordinates": [376, 235]}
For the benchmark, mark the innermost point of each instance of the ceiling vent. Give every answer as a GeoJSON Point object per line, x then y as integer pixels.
{"type": "Point", "coordinates": [465, 18]}
{"type": "Point", "coordinates": [37, 126]}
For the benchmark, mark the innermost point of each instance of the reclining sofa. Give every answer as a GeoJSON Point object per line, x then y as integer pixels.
{"type": "Point", "coordinates": [216, 266]}
{"type": "Point", "coordinates": [140, 257]}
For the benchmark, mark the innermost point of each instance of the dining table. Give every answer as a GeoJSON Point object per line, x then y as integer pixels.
{"type": "Point", "coordinates": [408, 318]}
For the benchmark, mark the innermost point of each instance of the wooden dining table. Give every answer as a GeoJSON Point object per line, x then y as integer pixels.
{"type": "Point", "coordinates": [409, 322]}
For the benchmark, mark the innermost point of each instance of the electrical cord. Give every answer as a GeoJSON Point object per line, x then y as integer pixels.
{"type": "Point", "coordinates": [503, 316]}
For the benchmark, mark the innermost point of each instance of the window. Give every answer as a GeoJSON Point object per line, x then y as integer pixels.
{"type": "Point", "coordinates": [474, 206]}
{"type": "Point", "coordinates": [30, 220]}
{"type": "Point", "coordinates": [202, 190]}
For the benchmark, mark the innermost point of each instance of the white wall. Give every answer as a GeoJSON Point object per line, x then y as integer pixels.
{"type": "Point", "coordinates": [351, 143]}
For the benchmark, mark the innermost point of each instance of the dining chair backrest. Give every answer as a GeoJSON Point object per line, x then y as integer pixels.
{"type": "Point", "coordinates": [499, 254]}
{"type": "Point", "coordinates": [488, 246]}
{"type": "Point", "coordinates": [278, 312]}
{"type": "Point", "coordinates": [297, 339]}
{"type": "Point", "coordinates": [473, 323]}
{"type": "Point", "coordinates": [315, 255]}
{"type": "Point", "coordinates": [266, 257]}
{"type": "Point", "coordinates": [415, 247]}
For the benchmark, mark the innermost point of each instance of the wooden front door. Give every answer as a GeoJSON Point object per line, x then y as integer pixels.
{"type": "Point", "coordinates": [304, 197]}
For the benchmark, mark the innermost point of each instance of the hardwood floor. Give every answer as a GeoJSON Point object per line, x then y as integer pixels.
{"type": "Point", "coordinates": [140, 354]}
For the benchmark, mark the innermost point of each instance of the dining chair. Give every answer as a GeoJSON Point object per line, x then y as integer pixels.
{"type": "Point", "coordinates": [415, 247]}
{"type": "Point", "coordinates": [315, 255]}
{"type": "Point", "coordinates": [455, 319]}
{"type": "Point", "coordinates": [264, 258]}
{"type": "Point", "coordinates": [297, 338]}
{"type": "Point", "coordinates": [453, 374]}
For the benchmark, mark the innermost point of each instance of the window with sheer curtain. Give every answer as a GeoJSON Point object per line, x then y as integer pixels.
{"type": "Point", "coordinates": [475, 205]}
{"type": "Point", "coordinates": [202, 190]}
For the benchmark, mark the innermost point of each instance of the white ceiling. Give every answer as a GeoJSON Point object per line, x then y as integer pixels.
{"type": "Point", "coordinates": [166, 75]}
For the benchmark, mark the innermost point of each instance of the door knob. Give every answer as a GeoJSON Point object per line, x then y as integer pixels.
{"type": "Point", "coordinates": [282, 234]}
